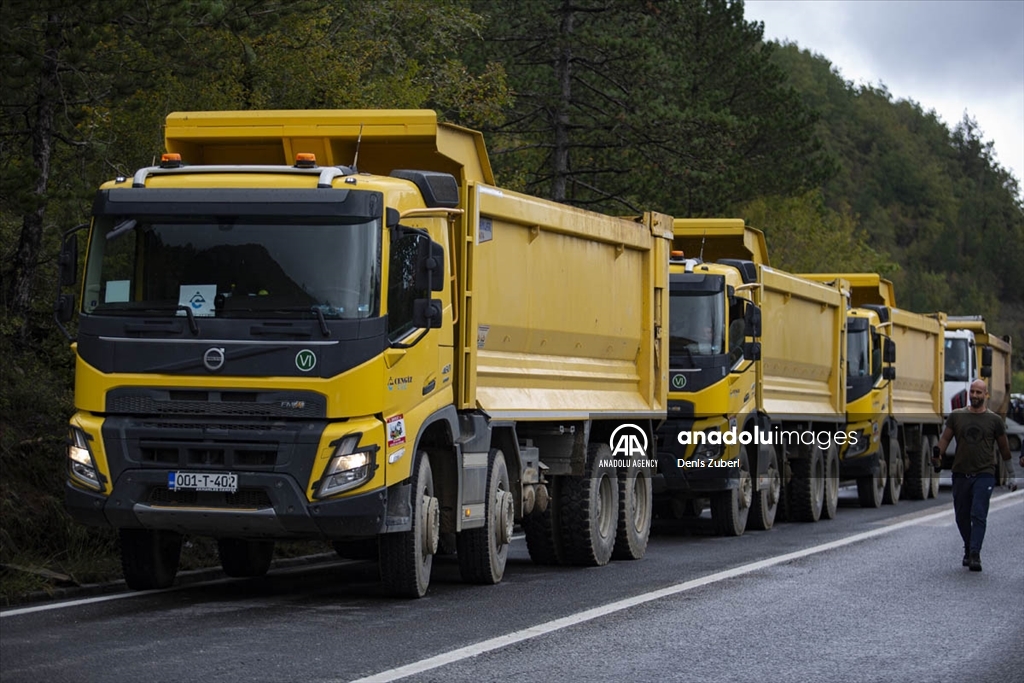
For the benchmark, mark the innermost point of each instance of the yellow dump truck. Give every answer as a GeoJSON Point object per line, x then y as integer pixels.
{"type": "Point", "coordinates": [274, 345]}
{"type": "Point", "coordinates": [895, 361]}
{"type": "Point", "coordinates": [972, 352]}
{"type": "Point", "coordinates": [757, 387]}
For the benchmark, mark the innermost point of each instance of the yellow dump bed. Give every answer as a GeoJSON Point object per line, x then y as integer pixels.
{"type": "Point", "coordinates": [802, 347]}
{"type": "Point", "coordinates": [999, 382]}
{"type": "Point", "coordinates": [559, 310]}
{"type": "Point", "coordinates": [920, 363]}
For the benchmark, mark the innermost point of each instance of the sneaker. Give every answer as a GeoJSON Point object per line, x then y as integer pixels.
{"type": "Point", "coordinates": [975, 561]}
{"type": "Point", "coordinates": [967, 557]}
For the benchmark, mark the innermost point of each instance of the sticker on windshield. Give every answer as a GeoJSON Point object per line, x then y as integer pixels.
{"type": "Point", "coordinates": [117, 291]}
{"type": "Point", "coordinates": [199, 299]}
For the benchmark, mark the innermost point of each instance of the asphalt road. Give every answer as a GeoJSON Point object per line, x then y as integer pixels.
{"type": "Point", "coordinates": [875, 595]}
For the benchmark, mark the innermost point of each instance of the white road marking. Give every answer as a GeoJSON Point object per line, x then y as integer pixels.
{"type": "Point", "coordinates": [499, 642]}
{"type": "Point", "coordinates": [998, 503]}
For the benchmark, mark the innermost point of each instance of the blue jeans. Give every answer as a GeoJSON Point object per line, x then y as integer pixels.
{"type": "Point", "coordinates": [971, 494]}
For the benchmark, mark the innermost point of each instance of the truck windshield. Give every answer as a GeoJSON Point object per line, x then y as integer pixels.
{"type": "Point", "coordinates": [858, 354]}
{"type": "Point", "coordinates": [957, 365]}
{"type": "Point", "coordinates": [246, 267]}
{"type": "Point", "coordinates": [697, 323]}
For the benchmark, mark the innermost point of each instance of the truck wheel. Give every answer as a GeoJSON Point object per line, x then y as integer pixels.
{"type": "Point", "coordinates": [730, 509]}
{"type": "Point", "coordinates": [635, 510]}
{"type": "Point", "coordinates": [149, 558]}
{"type": "Point", "coordinates": [831, 504]}
{"type": "Point", "coordinates": [894, 484]}
{"type": "Point", "coordinates": [807, 488]}
{"type": "Point", "coordinates": [482, 552]}
{"type": "Point", "coordinates": [933, 476]}
{"type": "Point", "coordinates": [917, 483]}
{"type": "Point", "coordinates": [871, 489]}
{"type": "Point", "coordinates": [242, 558]}
{"type": "Point", "coordinates": [765, 503]}
{"type": "Point", "coordinates": [406, 557]}
{"type": "Point", "coordinates": [590, 510]}
{"type": "Point", "coordinates": [544, 531]}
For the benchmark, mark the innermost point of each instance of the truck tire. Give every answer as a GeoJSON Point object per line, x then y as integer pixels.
{"type": "Point", "coordinates": [244, 558]}
{"type": "Point", "coordinates": [894, 483]}
{"type": "Point", "coordinates": [917, 484]}
{"type": "Point", "coordinates": [636, 497]}
{"type": "Point", "coordinates": [149, 558]}
{"type": "Point", "coordinates": [544, 531]}
{"type": "Point", "coordinates": [765, 503]}
{"type": "Point", "coordinates": [406, 557]}
{"type": "Point", "coordinates": [831, 502]}
{"type": "Point", "coordinates": [731, 509]}
{"type": "Point", "coordinates": [590, 510]}
{"type": "Point", "coordinates": [933, 475]}
{"type": "Point", "coordinates": [807, 488]}
{"type": "Point", "coordinates": [482, 552]}
{"type": "Point", "coordinates": [871, 489]}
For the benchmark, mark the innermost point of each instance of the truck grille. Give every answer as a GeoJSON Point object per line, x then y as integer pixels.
{"type": "Point", "coordinates": [265, 404]}
{"type": "Point", "coordinates": [206, 454]}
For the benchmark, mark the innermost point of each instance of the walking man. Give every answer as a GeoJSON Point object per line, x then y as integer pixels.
{"type": "Point", "coordinates": [977, 430]}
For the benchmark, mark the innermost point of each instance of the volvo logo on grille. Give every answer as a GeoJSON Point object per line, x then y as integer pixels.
{"type": "Point", "coordinates": [213, 359]}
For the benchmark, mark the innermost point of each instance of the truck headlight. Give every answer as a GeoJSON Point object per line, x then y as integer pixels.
{"type": "Point", "coordinates": [707, 450]}
{"type": "Point", "coordinates": [348, 467]}
{"type": "Point", "coordinates": [81, 466]}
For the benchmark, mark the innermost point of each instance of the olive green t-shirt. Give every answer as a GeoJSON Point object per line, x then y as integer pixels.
{"type": "Point", "coordinates": [976, 435]}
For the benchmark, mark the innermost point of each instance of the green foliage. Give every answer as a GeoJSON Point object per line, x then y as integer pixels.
{"type": "Point", "coordinates": [932, 198]}
{"type": "Point", "coordinates": [806, 236]}
{"type": "Point", "coordinates": [672, 105]}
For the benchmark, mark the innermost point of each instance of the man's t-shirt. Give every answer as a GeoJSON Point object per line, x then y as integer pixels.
{"type": "Point", "coordinates": [976, 435]}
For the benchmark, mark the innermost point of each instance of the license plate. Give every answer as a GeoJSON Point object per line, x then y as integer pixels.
{"type": "Point", "coordinates": [202, 481]}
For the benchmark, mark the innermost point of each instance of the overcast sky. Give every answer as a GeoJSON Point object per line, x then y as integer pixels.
{"type": "Point", "coordinates": [946, 55]}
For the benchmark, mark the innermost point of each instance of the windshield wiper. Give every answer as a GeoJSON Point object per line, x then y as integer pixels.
{"type": "Point", "coordinates": [326, 331]}
{"type": "Point", "coordinates": [193, 326]}
{"type": "Point", "coordinates": [314, 309]}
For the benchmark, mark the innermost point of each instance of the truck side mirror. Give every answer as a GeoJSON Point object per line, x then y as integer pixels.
{"type": "Point", "coordinates": [889, 372]}
{"type": "Point", "coordinates": [426, 313]}
{"type": "Point", "coordinates": [752, 351]}
{"type": "Point", "coordinates": [67, 262]}
{"type": "Point", "coordinates": [889, 351]}
{"type": "Point", "coordinates": [65, 308]}
{"type": "Point", "coordinates": [429, 265]}
{"type": "Point", "coordinates": [986, 361]}
{"type": "Point", "coordinates": [752, 321]}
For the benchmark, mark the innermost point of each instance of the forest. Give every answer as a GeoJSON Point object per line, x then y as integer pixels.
{"type": "Point", "coordinates": [617, 106]}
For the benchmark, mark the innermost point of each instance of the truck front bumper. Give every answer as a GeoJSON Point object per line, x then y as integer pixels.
{"type": "Point", "coordinates": [267, 505]}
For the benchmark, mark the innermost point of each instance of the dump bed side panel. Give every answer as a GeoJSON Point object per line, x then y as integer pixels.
{"type": "Point", "coordinates": [561, 308]}
{"type": "Point", "coordinates": [999, 382]}
{"type": "Point", "coordinates": [802, 347]}
{"type": "Point", "coordinates": [920, 348]}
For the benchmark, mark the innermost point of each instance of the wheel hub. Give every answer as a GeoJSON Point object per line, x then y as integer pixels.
{"type": "Point", "coordinates": [431, 515]}
{"type": "Point", "coordinates": [506, 517]}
